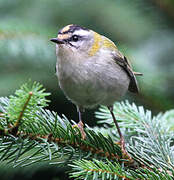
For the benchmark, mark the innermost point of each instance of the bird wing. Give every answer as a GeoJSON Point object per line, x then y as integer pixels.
{"type": "Point", "coordinates": [124, 63]}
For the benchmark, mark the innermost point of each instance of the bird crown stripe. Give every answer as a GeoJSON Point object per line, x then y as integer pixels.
{"type": "Point", "coordinates": [65, 29]}
{"type": "Point", "coordinates": [71, 28]}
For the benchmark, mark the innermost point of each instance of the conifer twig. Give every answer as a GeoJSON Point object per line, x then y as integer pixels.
{"type": "Point", "coordinates": [14, 129]}
{"type": "Point", "coordinates": [44, 136]}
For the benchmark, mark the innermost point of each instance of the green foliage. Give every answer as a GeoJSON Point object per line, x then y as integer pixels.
{"type": "Point", "coordinates": [47, 129]}
{"type": "Point", "coordinates": [31, 134]}
{"type": "Point", "coordinates": [31, 93]}
{"type": "Point", "coordinates": [150, 134]}
{"type": "Point", "coordinates": [85, 169]}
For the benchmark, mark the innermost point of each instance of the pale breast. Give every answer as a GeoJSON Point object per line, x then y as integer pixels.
{"type": "Point", "coordinates": [92, 82]}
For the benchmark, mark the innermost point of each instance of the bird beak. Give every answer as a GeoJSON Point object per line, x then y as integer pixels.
{"type": "Point", "coordinates": [57, 41]}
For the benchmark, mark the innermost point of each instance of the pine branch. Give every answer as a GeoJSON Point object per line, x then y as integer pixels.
{"type": "Point", "coordinates": [29, 133]}
{"type": "Point", "coordinates": [85, 169]}
{"type": "Point", "coordinates": [57, 138]}
{"type": "Point", "coordinates": [148, 139]}
{"type": "Point", "coordinates": [14, 129]}
{"type": "Point", "coordinates": [26, 124]}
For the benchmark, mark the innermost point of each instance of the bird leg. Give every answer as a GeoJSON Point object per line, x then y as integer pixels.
{"type": "Point", "coordinates": [80, 124]}
{"type": "Point", "coordinates": [122, 141]}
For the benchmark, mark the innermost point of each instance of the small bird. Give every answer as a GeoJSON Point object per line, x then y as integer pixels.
{"type": "Point", "coordinates": [92, 71]}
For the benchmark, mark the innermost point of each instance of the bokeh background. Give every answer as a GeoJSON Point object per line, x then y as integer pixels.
{"type": "Point", "coordinates": [142, 29]}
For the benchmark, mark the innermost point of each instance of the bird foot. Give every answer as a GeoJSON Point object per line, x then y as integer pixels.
{"type": "Point", "coordinates": [80, 126]}
{"type": "Point", "coordinates": [125, 154]}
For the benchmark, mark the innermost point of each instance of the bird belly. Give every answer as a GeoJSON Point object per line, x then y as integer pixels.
{"type": "Point", "coordinates": [83, 94]}
{"type": "Point", "coordinates": [88, 85]}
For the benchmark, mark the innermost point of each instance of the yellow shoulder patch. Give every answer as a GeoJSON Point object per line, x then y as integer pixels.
{"type": "Point", "coordinates": [101, 41]}
{"type": "Point", "coordinates": [108, 44]}
{"type": "Point", "coordinates": [96, 45]}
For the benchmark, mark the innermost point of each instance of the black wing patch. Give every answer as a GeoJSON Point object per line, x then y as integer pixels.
{"type": "Point", "coordinates": [123, 62]}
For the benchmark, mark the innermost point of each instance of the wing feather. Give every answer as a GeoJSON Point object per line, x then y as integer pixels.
{"type": "Point", "coordinates": [124, 63]}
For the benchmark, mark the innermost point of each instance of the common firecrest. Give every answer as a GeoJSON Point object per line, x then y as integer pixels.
{"type": "Point", "coordinates": [92, 71]}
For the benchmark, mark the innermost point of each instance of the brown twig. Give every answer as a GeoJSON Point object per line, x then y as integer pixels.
{"type": "Point", "coordinates": [14, 129]}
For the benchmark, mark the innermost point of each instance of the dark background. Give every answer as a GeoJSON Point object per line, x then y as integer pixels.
{"type": "Point", "coordinates": [142, 29]}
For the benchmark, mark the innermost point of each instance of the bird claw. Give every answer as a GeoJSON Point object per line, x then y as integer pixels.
{"type": "Point", "coordinates": [80, 126]}
{"type": "Point", "coordinates": [125, 154]}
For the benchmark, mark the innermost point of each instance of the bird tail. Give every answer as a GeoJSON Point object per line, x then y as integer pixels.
{"type": "Point", "coordinates": [138, 74]}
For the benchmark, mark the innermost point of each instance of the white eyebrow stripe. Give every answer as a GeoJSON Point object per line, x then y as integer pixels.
{"type": "Point", "coordinates": [81, 32]}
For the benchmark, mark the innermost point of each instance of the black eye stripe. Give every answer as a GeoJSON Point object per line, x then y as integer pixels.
{"type": "Point", "coordinates": [74, 38]}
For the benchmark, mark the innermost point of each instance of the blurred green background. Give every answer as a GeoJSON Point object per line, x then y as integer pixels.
{"type": "Point", "coordinates": [142, 29]}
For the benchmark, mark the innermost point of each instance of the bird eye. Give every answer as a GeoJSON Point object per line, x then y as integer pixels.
{"type": "Point", "coordinates": [75, 38]}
